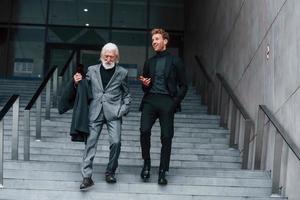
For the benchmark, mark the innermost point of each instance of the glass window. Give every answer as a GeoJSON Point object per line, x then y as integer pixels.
{"type": "Point", "coordinates": [59, 57]}
{"type": "Point", "coordinates": [132, 46]}
{"type": "Point", "coordinates": [81, 13]}
{"type": "Point", "coordinates": [26, 51]}
{"type": "Point", "coordinates": [130, 13]}
{"type": "Point", "coordinates": [89, 57]}
{"type": "Point", "coordinates": [29, 11]}
{"type": "Point", "coordinates": [4, 10]}
{"type": "Point", "coordinates": [77, 35]}
{"type": "Point", "coordinates": [168, 14]}
{"type": "Point", "coordinates": [3, 50]}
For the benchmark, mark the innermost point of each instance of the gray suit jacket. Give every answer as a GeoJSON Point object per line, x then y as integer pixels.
{"type": "Point", "coordinates": [114, 100]}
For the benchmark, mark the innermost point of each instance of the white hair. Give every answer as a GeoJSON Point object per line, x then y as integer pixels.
{"type": "Point", "coordinates": [111, 47]}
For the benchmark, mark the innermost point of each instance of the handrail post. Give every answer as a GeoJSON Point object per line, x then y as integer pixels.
{"type": "Point", "coordinates": [232, 126]}
{"type": "Point", "coordinates": [277, 163]}
{"type": "Point", "coordinates": [15, 131]}
{"type": "Point", "coordinates": [60, 82]}
{"type": "Point", "coordinates": [54, 82]}
{"type": "Point", "coordinates": [246, 144]}
{"type": "Point", "coordinates": [1, 151]}
{"type": "Point", "coordinates": [220, 105]}
{"type": "Point", "coordinates": [59, 89]}
{"type": "Point", "coordinates": [224, 108]}
{"type": "Point", "coordinates": [48, 99]}
{"type": "Point", "coordinates": [38, 134]}
{"type": "Point", "coordinates": [259, 139]}
{"type": "Point", "coordinates": [198, 89]}
{"type": "Point", "coordinates": [216, 97]}
{"type": "Point", "coordinates": [219, 100]}
{"type": "Point", "coordinates": [12, 102]}
{"type": "Point", "coordinates": [27, 135]}
{"type": "Point", "coordinates": [226, 111]}
{"type": "Point", "coordinates": [205, 92]}
{"type": "Point", "coordinates": [210, 98]}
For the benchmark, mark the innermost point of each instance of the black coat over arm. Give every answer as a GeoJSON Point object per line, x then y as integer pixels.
{"type": "Point", "coordinates": [77, 98]}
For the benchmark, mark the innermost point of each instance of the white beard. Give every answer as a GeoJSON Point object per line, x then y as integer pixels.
{"type": "Point", "coordinates": [108, 66]}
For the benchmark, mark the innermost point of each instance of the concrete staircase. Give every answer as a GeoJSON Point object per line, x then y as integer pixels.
{"type": "Point", "coordinates": [202, 167]}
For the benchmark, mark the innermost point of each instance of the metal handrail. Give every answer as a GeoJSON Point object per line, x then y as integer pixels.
{"type": "Point", "coordinates": [285, 136]}
{"type": "Point", "coordinates": [8, 105]}
{"type": "Point", "coordinates": [36, 99]}
{"type": "Point", "coordinates": [62, 75]}
{"type": "Point", "coordinates": [233, 97]}
{"type": "Point", "coordinates": [204, 70]}
{"type": "Point", "coordinates": [231, 110]}
{"type": "Point", "coordinates": [205, 84]}
{"type": "Point", "coordinates": [64, 69]}
{"type": "Point", "coordinates": [41, 88]}
{"type": "Point", "coordinates": [222, 101]}
{"type": "Point", "coordinates": [280, 136]}
{"type": "Point", "coordinates": [12, 102]}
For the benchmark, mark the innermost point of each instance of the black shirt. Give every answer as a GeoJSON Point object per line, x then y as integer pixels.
{"type": "Point", "coordinates": [159, 83]}
{"type": "Point", "coordinates": [106, 75]}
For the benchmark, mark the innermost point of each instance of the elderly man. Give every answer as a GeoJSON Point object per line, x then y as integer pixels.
{"type": "Point", "coordinates": [164, 84]}
{"type": "Point", "coordinates": [111, 99]}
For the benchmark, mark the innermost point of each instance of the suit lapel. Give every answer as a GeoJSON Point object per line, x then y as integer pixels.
{"type": "Point", "coordinates": [99, 76]}
{"type": "Point", "coordinates": [168, 66]}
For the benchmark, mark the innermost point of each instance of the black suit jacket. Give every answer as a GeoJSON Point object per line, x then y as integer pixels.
{"type": "Point", "coordinates": [175, 76]}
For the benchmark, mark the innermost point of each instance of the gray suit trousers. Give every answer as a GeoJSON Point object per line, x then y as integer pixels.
{"type": "Point", "coordinates": [114, 132]}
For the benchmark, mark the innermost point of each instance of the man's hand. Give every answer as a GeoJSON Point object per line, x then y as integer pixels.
{"type": "Point", "coordinates": [77, 77]}
{"type": "Point", "coordinates": [145, 81]}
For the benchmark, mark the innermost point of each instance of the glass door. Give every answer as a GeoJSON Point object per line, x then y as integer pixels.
{"type": "Point", "coordinates": [59, 54]}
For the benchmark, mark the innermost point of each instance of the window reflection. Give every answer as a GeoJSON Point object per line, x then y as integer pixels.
{"type": "Point", "coordinates": [26, 50]}
{"type": "Point", "coordinates": [94, 13]}
{"type": "Point", "coordinates": [82, 23]}
{"type": "Point", "coordinates": [4, 10]}
{"type": "Point", "coordinates": [130, 13]}
{"type": "Point", "coordinates": [29, 11]}
{"type": "Point", "coordinates": [167, 13]}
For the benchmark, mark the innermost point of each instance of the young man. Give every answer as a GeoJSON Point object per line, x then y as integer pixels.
{"type": "Point", "coordinates": [111, 99]}
{"type": "Point", "coordinates": [164, 85]}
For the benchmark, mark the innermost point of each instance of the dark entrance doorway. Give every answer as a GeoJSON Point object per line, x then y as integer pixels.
{"type": "Point", "coordinates": [58, 54]}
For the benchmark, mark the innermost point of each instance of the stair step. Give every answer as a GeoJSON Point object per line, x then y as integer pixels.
{"type": "Point", "coordinates": [202, 166]}
{"type": "Point", "coordinates": [62, 166]}
{"type": "Point", "coordinates": [177, 179]}
{"type": "Point", "coordinates": [58, 142]}
{"type": "Point", "coordinates": [134, 161]}
{"type": "Point", "coordinates": [131, 115]}
{"type": "Point", "coordinates": [104, 154]}
{"type": "Point", "coordinates": [78, 195]}
{"type": "Point", "coordinates": [139, 188]}
{"type": "Point", "coordinates": [42, 146]}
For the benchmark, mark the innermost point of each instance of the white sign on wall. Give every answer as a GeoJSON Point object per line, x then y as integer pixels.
{"type": "Point", "coordinates": [23, 67]}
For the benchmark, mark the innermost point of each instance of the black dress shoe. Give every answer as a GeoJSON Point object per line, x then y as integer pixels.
{"type": "Point", "coordinates": [110, 178]}
{"type": "Point", "coordinates": [86, 183]}
{"type": "Point", "coordinates": [145, 173]}
{"type": "Point", "coordinates": [162, 178]}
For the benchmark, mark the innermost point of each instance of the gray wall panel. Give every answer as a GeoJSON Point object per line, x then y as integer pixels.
{"type": "Point", "coordinates": [231, 37]}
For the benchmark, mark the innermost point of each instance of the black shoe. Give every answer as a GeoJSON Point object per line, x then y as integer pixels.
{"type": "Point", "coordinates": [162, 178]}
{"type": "Point", "coordinates": [145, 173]}
{"type": "Point", "coordinates": [110, 178]}
{"type": "Point", "coordinates": [86, 183]}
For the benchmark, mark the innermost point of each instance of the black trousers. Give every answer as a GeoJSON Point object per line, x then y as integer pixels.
{"type": "Point", "coordinates": [162, 107]}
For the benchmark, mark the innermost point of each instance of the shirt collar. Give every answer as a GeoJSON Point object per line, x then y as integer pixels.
{"type": "Point", "coordinates": [161, 53]}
